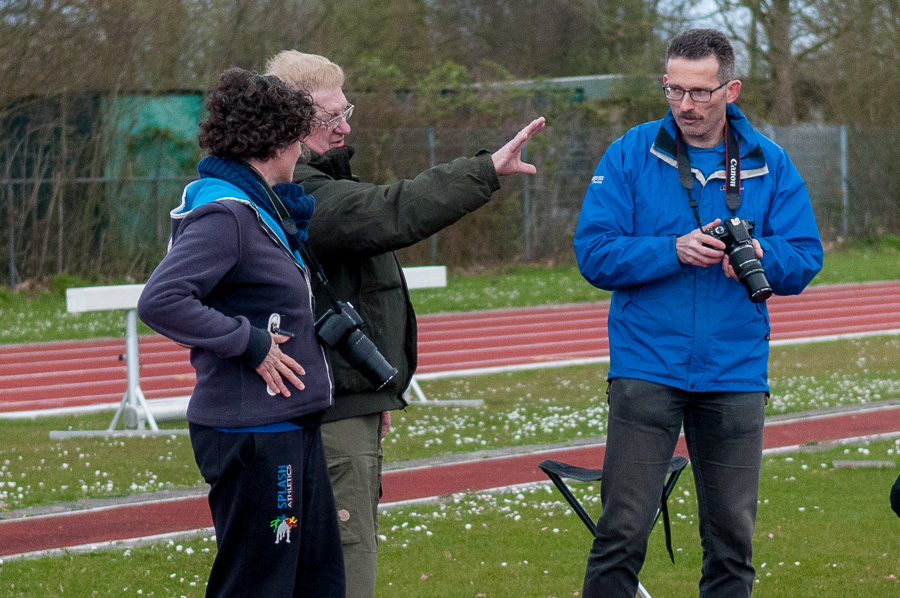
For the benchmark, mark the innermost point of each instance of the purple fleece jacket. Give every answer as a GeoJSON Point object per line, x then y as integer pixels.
{"type": "Point", "coordinates": [223, 277]}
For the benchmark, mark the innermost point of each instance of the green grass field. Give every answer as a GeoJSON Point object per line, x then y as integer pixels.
{"type": "Point", "coordinates": [521, 409]}
{"type": "Point", "coordinates": [822, 532]}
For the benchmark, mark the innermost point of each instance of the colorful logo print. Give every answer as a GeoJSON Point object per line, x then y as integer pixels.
{"type": "Point", "coordinates": [282, 527]}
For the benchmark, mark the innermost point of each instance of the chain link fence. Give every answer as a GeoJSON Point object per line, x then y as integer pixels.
{"type": "Point", "coordinates": [117, 226]}
{"type": "Point", "coordinates": [853, 178]}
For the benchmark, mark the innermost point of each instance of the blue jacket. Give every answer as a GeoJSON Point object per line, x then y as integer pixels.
{"type": "Point", "coordinates": [685, 326]}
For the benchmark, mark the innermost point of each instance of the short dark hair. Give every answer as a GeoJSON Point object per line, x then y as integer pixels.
{"type": "Point", "coordinates": [695, 44]}
{"type": "Point", "coordinates": [252, 115]}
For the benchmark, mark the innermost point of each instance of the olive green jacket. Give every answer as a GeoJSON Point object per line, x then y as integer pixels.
{"type": "Point", "coordinates": [354, 232]}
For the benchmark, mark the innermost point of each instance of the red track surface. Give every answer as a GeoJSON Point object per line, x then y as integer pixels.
{"type": "Point", "coordinates": [50, 375]}
{"type": "Point", "coordinates": [65, 374]}
{"type": "Point", "coordinates": [18, 536]}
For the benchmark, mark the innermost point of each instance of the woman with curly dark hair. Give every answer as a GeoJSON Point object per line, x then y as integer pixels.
{"type": "Point", "coordinates": [233, 287]}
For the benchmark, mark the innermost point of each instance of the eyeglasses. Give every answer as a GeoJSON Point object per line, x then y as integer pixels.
{"type": "Point", "coordinates": [333, 122]}
{"type": "Point", "coordinates": [698, 95]}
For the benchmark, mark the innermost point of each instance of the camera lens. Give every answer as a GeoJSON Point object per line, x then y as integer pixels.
{"type": "Point", "coordinates": [762, 290]}
{"type": "Point", "coordinates": [363, 355]}
{"type": "Point", "coordinates": [750, 272]}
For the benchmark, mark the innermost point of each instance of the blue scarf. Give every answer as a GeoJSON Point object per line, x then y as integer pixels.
{"type": "Point", "coordinates": [300, 205]}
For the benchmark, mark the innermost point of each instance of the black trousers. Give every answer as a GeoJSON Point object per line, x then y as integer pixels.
{"type": "Point", "coordinates": [274, 514]}
{"type": "Point", "coordinates": [724, 436]}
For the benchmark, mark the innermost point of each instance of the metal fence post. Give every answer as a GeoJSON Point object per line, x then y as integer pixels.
{"type": "Point", "coordinates": [12, 237]}
{"type": "Point", "coordinates": [526, 207]}
{"type": "Point", "coordinates": [845, 195]}
{"type": "Point", "coordinates": [434, 247]}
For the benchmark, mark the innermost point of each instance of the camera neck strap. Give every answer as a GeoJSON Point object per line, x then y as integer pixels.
{"type": "Point", "coordinates": [289, 226]}
{"type": "Point", "coordinates": [732, 172]}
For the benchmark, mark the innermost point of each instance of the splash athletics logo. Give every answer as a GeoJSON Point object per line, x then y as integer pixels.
{"type": "Point", "coordinates": [284, 499]}
{"type": "Point", "coordinates": [282, 527]}
{"type": "Point", "coordinates": [285, 482]}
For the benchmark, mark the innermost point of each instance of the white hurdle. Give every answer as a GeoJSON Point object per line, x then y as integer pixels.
{"type": "Point", "coordinates": [133, 409]}
{"type": "Point", "coordinates": [426, 277]}
{"type": "Point", "coordinates": [423, 277]}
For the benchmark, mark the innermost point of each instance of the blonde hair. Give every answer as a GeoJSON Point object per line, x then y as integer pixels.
{"type": "Point", "coordinates": [305, 72]}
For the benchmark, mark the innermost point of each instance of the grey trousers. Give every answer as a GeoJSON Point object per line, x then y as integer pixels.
{"type": "Point", "coordinates": [724, 435]}
{"type": "Point", "coordinates": [353, 452]}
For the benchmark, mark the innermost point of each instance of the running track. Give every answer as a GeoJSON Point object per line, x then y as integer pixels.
{"type": "Point", "coordinates": [36, 535]}
{"type": "Point", "coordinates": [461, 342]}
{"type": "Point", "coordinates": [58, 375]}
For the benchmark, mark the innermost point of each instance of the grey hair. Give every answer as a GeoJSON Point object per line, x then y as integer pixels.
{"type": "Point", "coordinates": [695, 44]}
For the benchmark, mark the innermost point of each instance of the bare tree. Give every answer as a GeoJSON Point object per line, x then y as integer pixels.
{"type": "Point", "coordinates": [784, 39]}
{"type": "Point", "coordinates": [548, 38]}
{"type": "Point", "coordinates": [857, 73]}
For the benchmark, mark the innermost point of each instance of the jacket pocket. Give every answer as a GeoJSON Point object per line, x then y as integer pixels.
{"type": "Point", "coordinates": [247, 449]}
{"type": "Point", "coordinates": [765, 316]}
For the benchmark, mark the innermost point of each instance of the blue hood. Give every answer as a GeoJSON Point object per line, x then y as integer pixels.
{"type": "Point", "coordinates": [224, 180]}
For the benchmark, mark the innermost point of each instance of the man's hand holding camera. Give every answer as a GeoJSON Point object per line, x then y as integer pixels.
{"type": "Point", "coordinates": [699, 249]}
{"type": "Point", "coordinates": [726, 263]}
{"type": "Point", "coordinates": [732, 244]}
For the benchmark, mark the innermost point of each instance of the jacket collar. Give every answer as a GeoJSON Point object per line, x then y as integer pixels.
{"type": "Point", "coordinates": [335, 163]}
{"type": "Point", "coordinates": [753, 161]}
{"type": "Point", "coordinates": [746, 136]}
{"type": "Point", "coordinates": [299, 205]}
{"type": "Point", "coordinates": [223, 179]}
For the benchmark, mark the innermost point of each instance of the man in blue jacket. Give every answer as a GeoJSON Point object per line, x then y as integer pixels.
{"type": "Point", "coordinates": [687, 344]}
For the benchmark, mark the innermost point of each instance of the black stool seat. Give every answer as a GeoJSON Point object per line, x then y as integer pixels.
{"type": "Point", "coordinates": [556, 470]}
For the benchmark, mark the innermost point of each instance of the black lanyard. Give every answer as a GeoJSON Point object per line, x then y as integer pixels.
{"type": "Point", "coordinates": [732, 172]}
{"type": "Point", "coordinates": [289, 226]}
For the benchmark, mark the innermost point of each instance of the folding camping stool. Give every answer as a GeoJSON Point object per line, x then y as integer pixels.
{"type": "Point", "coordinates": [556, 471]}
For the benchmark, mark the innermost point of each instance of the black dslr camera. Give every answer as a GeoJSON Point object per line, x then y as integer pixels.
{"type": "Point", "coordinates": [735, 233]}
{"type": "Point", "coordinates": [341, 332]}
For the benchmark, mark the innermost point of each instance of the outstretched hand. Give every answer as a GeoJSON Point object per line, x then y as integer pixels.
{"type": "Point", "coordinates": [277, 366]}
{"type": "Point", "coordinates": [508, 159]}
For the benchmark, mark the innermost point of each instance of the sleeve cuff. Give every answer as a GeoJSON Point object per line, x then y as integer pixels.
{"type": "Point", "coordinates": [490, 172]}
{"type": "Point", "coordinates": [258, 346]}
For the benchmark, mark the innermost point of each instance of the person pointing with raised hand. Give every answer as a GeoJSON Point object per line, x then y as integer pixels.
{"type": "Point", "coordinates": [356, 229]}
